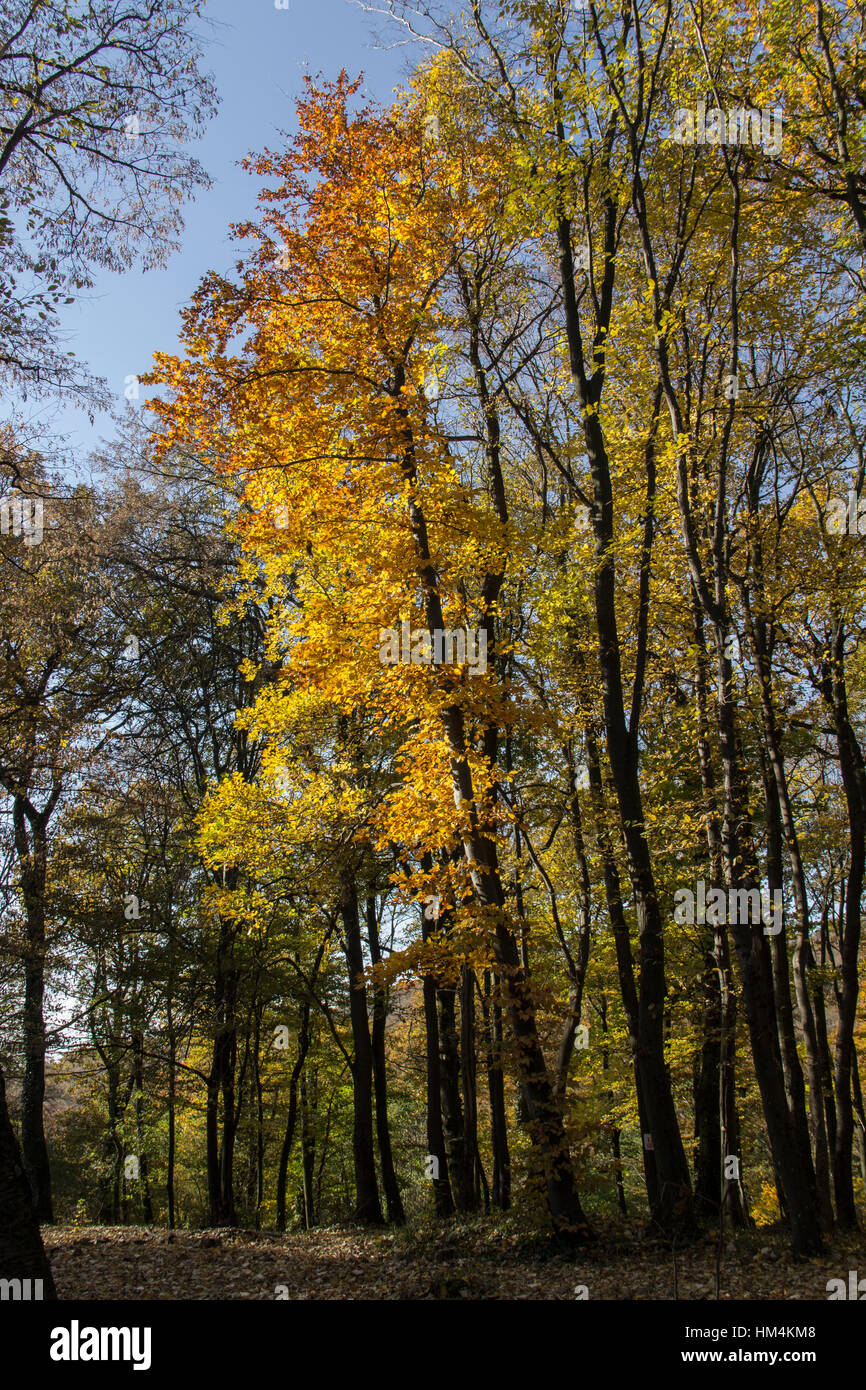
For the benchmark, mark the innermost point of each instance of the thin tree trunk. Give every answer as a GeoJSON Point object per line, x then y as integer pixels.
{"type": "Point", "coordinates": [138, 1092]}
{"type": "Point", "coordinates": [368, 1208]}
{"type": "Point", "coordinates": [614, 1129]}
{"type": "Point", "coordinates": [860, 1127]}
{"type": "Point", "coordinates": [452, 1106]}
{"type": "Point", "coordinates": [31, 849]}
{"type": "Point", "coordinates": [492, 1035]}
{"type": "Point", "coordinates": [468, 1075]}
{"type": "Point", "coordinates": [437, 1156]}
{"type": "Point", "coordinates": [724, 1194]}
{"type": "Point", "coordinates": [172, 1140]}
{"type": "Point", "coordinates": [308, 1158]}
{"type": "Point", "coordinates": [304, 1039]}
{"type": "Point", "coordinates": [390, 1185]}
{"type": "Point", "coordinates": [707, 1075]}
{"type": "Point", "coordinates": [624, 959]}
{"type": "Point", "coordinates": [576, 962]}
{"type": "Point", "coordinates": [221, 1119]}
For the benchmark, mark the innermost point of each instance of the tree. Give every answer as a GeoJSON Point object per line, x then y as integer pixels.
{"type": "Point", "coordinates": [95, 107]}
{"type": "Point", "coordinates": [364, 366]}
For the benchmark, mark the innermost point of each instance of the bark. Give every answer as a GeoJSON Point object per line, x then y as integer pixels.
{"type": "Point", "coordinates": [368, 1208]}
{"type": "Point", "coordinates": [390, 1185]}
{"type": "Point", "coordinates": [436, 1152]}
{"type": "Point", "coordinates": [476, 1177]}
{"type": "Point", "coordinates": [576, 963]}
{"type": "Point", "coordinates": [304, 1040]}
{"type": "Point", "coordinates": [624, 959]}
{"type": "Point", "coordinates": [459, 1162]}
{"type": "Point", "coordinates": [860, 1121]}
{"type": "Point", "coordinates": [614, 1129]}
{"type": "Point", "coordinates": [221, 1112]}
{"type": "Point", "coordinates": [492, 1035]}
{"type": "Point", "coordinates": [708, 1115]}
{"type": "Point", "coordinates": [733, 1192]}
{"type": "Point", "coordinates": [30, 828]}
{"type": "Point", "coordinates": [716, 1089]}
{"type": "Point", "coordinates": [172, 1138]}
{"type": "Point", "coordinates": [820, 1007]}
{"type": "Point", "coordinates": [308, 1149]}
{"type": "Point", "coordinates": [835, 691]}
{"type": "Point", "coordinates": [137, 1040]}
{"type": "Point", "coordinates": [256, 1159]}
{"type": "Point", "coordinates": [22, 1254]}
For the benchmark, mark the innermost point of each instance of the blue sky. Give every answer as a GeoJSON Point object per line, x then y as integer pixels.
{"type": "Point", "coordinates": [258, 55]}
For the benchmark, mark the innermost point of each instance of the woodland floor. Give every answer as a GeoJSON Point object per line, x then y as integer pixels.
{"type": "Point", "coordinates": [477, 1261]}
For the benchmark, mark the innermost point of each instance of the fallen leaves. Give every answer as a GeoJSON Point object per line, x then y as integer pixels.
{"type": "Point", "coordinates": [476, 1262]}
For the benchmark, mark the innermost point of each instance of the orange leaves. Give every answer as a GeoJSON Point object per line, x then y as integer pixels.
{"type": "Point", "coordinates": [308, 380]}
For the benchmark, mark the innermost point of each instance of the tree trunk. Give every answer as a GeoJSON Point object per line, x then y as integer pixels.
{"type": "Point", "coordinates": [733, 1192]}
{"type": "Point", "coordinates": [854, 785]}
{"type": "Point", "coordinates": [22, 1254]}
{"type": "Point", "coordinates": [576, 962]}
{"type": "Point", "coordinates": [437, 1157]}
{"type": "Point", "coordinates": [390, 1185]}
{"type": "Point", "coordinates": [304, 1039]}
{"type": "Point", "coordinates": [221, 1084]}
{"type": "Point", "coordinates": [172, 1139]}
{"type": "Point", "coordinates": [492, 1034]}
{"type": "Point", "coordinates": [726, 1193]}
{"type": "Point", "coordinates": [624, 959]}
{"type": "Point", "coordinates": [368, 1208]}
{"type": "Point", "coordinates": [708, 1118]}
{"type": "Point", "coordinates": [615, 1133]}
{"type": "Point", "coordinates": [452, 1105]}
{"type": "Point", "coordinates": [31, 850]}
{"type": "Point", "coordinates": [308, 1157]}
{"type": "Point", "coordinates": [860, 1113]}
{"type": "Point", "coordinates": [137, 1041]}
{"type": "Point", "coordinates": [468, 1076]}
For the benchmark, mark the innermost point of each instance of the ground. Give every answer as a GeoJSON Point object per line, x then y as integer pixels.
{"type": "Point", "coordinates": [478, 1261]}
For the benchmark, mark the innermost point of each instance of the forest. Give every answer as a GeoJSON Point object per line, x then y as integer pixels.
{"type": "Point", "coordinates": [432, 725]}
